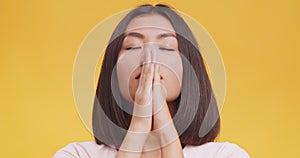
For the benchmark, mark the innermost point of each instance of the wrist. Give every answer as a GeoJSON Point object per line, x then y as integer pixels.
{"type": "Point", "coordinates": [140, 124]}
{"type": "Point", "coordinates": [162, 117]}
{"type": "Point", "coordinates": [167, 134]}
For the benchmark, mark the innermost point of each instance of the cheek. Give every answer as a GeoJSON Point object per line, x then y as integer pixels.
{"type": "Point", "coordinates": [133, 85]}
{"type": "Point", "coordinates": [123, 77]}
{"type": "Point", "coordinates": [127, 67]}
{"type": "Point", "coordinates": [171, 70]}
{"type": "Point", "coordinates": [171, 82]}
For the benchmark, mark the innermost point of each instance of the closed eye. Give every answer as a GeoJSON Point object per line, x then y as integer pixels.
{"type": "Point", "coordinates": [132, 48]}
{"type": "Point", "coordinates": [167, 49]}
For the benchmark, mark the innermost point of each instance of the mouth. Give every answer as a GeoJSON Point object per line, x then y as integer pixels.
{"type": "Point", "coordinates": [139, 76]}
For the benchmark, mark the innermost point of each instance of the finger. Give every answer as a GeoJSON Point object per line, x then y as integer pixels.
{"type": "Point", "coordinates": [153, 55]}
{"type": "Point", "coordinates": [143, 96]}
{"type": "Point", "coordinates": [158, 95]}
{"type": "Point", "coordinates": [146, 67]}
{"type": "Point", "coordinates": [144, 91]}
{"type": "Point", "coordinates": [156, 68]}
{"type": "Point", "coordinates": [156, 75]}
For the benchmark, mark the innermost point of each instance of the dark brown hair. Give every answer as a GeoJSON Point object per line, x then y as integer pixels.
{"type": "Point", "coordinates": [198, 108]}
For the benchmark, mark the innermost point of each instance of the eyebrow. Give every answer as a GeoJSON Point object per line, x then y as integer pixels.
{"type": "Point", "coordinates": [138, 35]}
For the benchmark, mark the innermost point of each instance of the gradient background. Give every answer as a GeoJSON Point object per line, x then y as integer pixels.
{"type": "Point", "coordinates": [259, 42]}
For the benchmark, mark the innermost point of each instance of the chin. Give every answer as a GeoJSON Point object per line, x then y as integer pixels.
{"type": "Point", "coordinates": [172, 98]}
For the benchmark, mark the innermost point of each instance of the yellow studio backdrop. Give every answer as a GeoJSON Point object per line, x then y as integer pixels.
{"type": "Point", "coordinates": [258, 40]}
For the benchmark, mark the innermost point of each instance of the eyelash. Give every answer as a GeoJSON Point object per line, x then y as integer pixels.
{"type": "Point", "coordinates": [133, 48]}
{"type": "Point", "coordinates": [167, 49]}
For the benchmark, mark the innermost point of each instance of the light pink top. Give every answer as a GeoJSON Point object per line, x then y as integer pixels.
{"type": "Point", "coordinates": [91, 149]}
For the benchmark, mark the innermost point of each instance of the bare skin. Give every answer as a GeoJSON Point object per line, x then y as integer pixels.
{"type": "Point", "coordinates": [151, 123]}
{"type": "Point", "coordinates": [150, 93]}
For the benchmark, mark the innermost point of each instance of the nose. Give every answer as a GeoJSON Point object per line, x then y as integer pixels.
{"type": "Point", "coordinates": [151, 47]}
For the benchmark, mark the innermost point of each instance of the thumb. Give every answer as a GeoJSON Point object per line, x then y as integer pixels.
{"type": "Point", "coordinates": [158, 93]}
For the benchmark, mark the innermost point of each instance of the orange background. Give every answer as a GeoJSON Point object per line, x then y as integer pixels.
{"type": "Point", "coordinates": [258, 41]}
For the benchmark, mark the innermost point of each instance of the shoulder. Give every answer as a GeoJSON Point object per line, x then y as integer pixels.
{"type": "Point", "coordinates": [216, 150]}
{"type": "Point", "coordinates": [88, 149]}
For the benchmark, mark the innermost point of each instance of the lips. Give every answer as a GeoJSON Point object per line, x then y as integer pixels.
{"type": "Point", "coordinates": [139, 75]}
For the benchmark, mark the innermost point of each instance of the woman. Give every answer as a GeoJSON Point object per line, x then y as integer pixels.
{"type": "Point", "coordinates": [154, 97]}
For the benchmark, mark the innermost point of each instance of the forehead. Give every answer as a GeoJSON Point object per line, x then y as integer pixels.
{"type": "Point", "coordinates": [150, 21]}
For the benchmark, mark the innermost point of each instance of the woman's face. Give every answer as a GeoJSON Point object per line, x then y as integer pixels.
{"type": "Point", "coordinates": [156, 34]}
